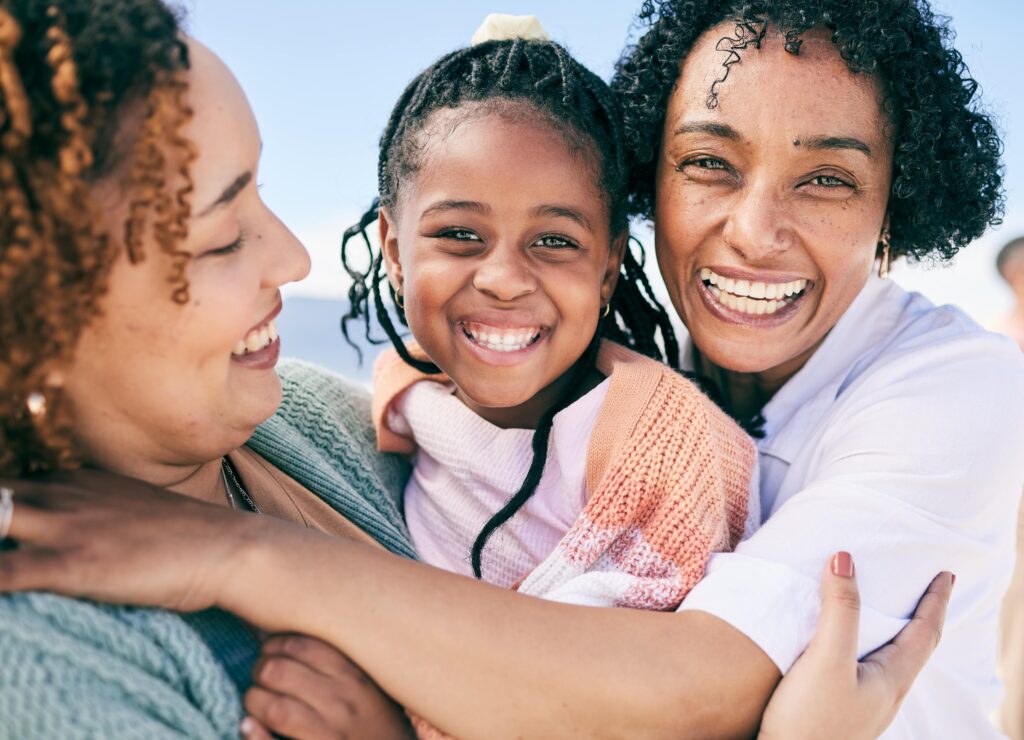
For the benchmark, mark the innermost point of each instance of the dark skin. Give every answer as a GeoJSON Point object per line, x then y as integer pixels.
{"type": "Point", "coordinates": [715, 683]}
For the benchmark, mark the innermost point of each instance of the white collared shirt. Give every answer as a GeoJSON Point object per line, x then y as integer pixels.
{"type": "Point", "coordinates": [902, 441]}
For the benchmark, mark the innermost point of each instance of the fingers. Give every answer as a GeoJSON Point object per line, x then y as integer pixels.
{"type": "Point", "coordinates": [31, 569]}
{"type": "Point", "coordinates": [903, 658]}
{"type": "Point", "coordinates": [329, 698]}
{"type": "Point", "coordinates": [835, 640]}
{"type": "Point", "coordinates": [253, 729]}
{"type": "Point", "coordinates": [319, 655]}
{"type": "Point", "coordinates": [286, 715]}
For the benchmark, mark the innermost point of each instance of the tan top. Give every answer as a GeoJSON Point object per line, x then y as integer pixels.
{"type": "Point", "coordinates": [277, 494]}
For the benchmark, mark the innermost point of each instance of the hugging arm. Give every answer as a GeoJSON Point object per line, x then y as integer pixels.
{"type": "Point", "coordinates": [471, 658]}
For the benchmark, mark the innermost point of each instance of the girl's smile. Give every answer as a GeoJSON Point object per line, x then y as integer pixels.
{"type": "Point", "coordinates": [503, 278]}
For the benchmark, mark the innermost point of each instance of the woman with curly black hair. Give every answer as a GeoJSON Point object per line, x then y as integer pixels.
{"type": "Point", "coordinates": [782, 150]}
{"type": "Point", "coordinates": [787, 151]}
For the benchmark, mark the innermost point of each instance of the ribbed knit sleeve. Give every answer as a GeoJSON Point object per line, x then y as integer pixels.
{"type": "Point", "coordinates": [73, 669]}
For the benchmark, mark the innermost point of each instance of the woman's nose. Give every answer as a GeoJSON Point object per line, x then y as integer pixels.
{"type": "Point", "coordinates": [287, 260]}
{"type": "Point", "coordinates": [757, 227]}
{"type": "Point", "coordinates": [505, 275]}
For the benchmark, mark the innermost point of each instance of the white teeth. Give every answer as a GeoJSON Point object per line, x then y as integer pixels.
{"type": "Point", "coordinates": [751, 296]}
{"type": "Point", "coordinates": [510, 340]}
{"type": "Point", "coordinates": [257, 339]}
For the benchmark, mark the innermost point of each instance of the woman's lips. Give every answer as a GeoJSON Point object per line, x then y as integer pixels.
{"type": "Point", "coordinates": [750, 302]}
{"type": "Point", "coordinates": [262, 359]}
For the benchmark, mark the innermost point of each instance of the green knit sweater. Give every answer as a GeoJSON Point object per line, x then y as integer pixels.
{"type": "Point", "coordinates": [74, 669]}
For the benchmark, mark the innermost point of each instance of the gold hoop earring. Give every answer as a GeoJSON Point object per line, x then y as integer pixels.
{"type": "Point", "coordinates": [398, 300]}
{"type": "Point", "coordinates": [885, 259]}
{"type": "Point", "coordinates": [607, 310]}
{"type": "Point", "coordinates": [36, 403]}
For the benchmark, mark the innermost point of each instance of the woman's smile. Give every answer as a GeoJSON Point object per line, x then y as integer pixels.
{"type": "Point", "coordinates": [743, 298]}
{"type": "Point", "coordinates": [260, 348]}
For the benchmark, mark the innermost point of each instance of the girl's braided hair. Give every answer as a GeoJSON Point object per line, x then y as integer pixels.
{"type": "Point", "coordinates": [947, 184]}
{"type": "Point", "coordinates": [72, 72]}
{"type": "Point", "coordinates": [514, 78]}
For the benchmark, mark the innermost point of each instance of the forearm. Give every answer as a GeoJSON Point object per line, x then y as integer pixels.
{"type": "Point", "coordinates": [477, 660]}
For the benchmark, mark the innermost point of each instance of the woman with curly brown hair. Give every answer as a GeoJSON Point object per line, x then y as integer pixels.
{"type": "Point", "coordinates": [139, 283]}
{"type": "Point", "coordinates": [781, 169]}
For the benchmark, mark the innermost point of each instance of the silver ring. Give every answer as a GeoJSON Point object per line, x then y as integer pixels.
{"type": "Point", "coordinates": [6, 511]}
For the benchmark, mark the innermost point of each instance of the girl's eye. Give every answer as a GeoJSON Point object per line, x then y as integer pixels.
{"type": "Point", "coordinates": [229, 248]}
{"type": "Point", "coordinates": [460, 235]}
{"type": "Point", "coordinates": [554, 241]}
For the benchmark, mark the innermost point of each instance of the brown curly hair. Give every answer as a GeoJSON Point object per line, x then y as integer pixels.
{"type": "Point", "coordinates": [88, 89]}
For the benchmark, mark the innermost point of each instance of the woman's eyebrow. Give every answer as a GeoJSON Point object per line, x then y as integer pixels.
{"type": "Point", "coordinates": [834, 142]}
{"type": "Point", "coordinates": [719, 130]}
{"type": "Point", "coordinates": [229, 194]}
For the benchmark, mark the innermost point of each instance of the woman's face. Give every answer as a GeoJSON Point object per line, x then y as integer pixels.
{"type": "Point", "coordinates": [769, 206]}
{"type": "Point", "coordinates": [153, 381]}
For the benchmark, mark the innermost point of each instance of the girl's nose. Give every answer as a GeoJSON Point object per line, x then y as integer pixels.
{"type": "Point", "coordinates": [505, 275]}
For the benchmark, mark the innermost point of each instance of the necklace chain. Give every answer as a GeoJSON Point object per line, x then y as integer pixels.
{"type": "Point", "coordinates": [231, 481]}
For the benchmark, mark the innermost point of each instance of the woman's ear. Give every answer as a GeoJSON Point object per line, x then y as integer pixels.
{"type": "Point", "coordinates": [388, 226]}
{"type": "Point", "coordinates": [611, 270]}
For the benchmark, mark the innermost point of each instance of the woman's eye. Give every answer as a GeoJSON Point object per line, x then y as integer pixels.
{"type": "Point", "coordinates": [705, 168]}
{"type": "Point", "coordinates": [830, 181]}
{"type": "Point", "coordinates": [708, 163]}
{"type": "Point", "coordinates": [229, 248]}
{"type": "Point", "coordinates": [554, 241]}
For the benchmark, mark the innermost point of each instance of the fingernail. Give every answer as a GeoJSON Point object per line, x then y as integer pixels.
{"type": "Point", "coordinates": [842, 565]}
{"type": "Point", "coordinates": [246, 727]}
{"type": "Point", "coordinates": [952, 581]}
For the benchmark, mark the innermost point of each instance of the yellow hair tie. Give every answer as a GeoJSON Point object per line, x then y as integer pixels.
{"type": "Point", "coordinates": [502, 27]}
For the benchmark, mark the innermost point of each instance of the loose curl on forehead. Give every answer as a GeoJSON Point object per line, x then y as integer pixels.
{"type": "Point", "coordinates": [947, 185]}
{"type": "Point", "coordinates": [70, 72]}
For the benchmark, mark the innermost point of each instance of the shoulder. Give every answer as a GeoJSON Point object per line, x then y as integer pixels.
{"type": "Point", "coordinates": [656, 391]}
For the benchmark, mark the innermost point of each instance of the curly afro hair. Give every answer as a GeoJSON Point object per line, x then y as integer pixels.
{"type": "Point", "coordinates": [89, 90]}
{"type": "Point", "coordinates": [947, 183]}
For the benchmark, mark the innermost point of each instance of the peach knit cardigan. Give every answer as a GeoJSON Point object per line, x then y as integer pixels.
{"type": "Point", "coordinates": [668, 477]}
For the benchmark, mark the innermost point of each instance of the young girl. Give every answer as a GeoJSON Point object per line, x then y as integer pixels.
{"type": "Point", "coordinates": [546, 458]}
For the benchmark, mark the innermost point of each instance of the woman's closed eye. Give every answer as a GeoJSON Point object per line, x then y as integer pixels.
{"type": "Point", "coordinates": [227, 248]}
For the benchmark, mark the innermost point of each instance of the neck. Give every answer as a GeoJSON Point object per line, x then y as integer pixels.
{"type": "Point", "coordinates": [203, 481]}
{"type": "Point", "coordinates": [747, 393]}
{"type": "Point", "coordinates": [527, 415]}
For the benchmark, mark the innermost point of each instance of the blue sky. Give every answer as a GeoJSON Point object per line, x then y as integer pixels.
{"type": "Point", "coordinates": [322, 76]}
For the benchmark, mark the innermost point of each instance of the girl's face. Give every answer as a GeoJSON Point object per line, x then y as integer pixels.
{"type": "Point", "coordinates": [769, 206]}
{"type": "Point", "coordinates": [502, 252]}
{"type": "Point", "coordinates": [157, 382]}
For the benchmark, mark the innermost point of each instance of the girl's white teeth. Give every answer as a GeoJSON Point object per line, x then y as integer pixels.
{"type": "Point", "coordinates": [257, 339]}
{"type": "Point", "coordinates": [502, 340]}
{"type": "Point", "coordinates": [753, 297]}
